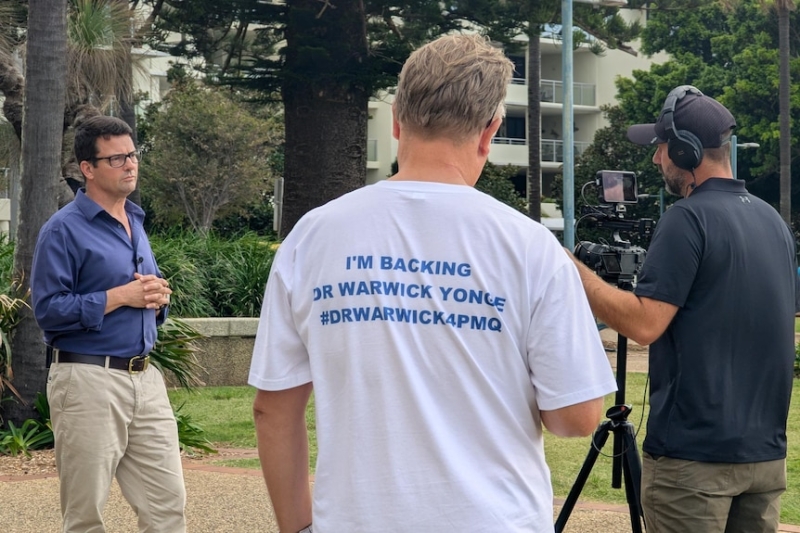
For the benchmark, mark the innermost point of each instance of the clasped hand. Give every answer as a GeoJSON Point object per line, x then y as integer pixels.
{"type": "Point", "coordinates": [155, 290]}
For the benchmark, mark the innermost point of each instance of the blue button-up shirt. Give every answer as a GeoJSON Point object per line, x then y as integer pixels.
{"type": "Point", "coordinates": [82, 252]}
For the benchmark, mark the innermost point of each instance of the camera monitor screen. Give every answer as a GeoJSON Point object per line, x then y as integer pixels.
{"type": "Point", "coordinates": [619, 186]}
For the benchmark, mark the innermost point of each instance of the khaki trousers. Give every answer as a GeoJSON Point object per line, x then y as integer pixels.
{"type": "Point", "coordinates": [111, 423]}
{"type": "Point", "coordinates": [680, 496]}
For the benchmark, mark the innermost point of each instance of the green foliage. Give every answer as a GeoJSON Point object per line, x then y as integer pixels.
{"type": "Point", "coordinates": [42, 407]}
{"type": "Point", "coordinates": [797, 361]}
{"type": "Point", "coordinates": [175, 351]}
{"type": "Point", "coordinates": [730, 54]}
{"type": "Point", "coordinates": [241, 276]}
{"type": "Point", "coordinates": [191, 437]}
{"type": "Point", "coordinates": [34, 433]}
{"type": "Point", "coordinates": [183, 261]}
{"type": "Point", "coordinates": [258, 219]}
{"type": "Point", "coordinates": [99, 62]}
{"type": "Point", "coordinates": [30, 436]}
{"type": "Point", "coordinates": [251, 57]}
{"type": "Point", "coordinates": [11, 301]}
{"type": "Point", "coordinates": [6, 260]}
{"type": "Point", "coordinates": [206, 156]}
{"type": "Point", "coordinates": [730, 51]}
{"type": "Point", "coordinates": [214, 276]}
{"type": "Point", "coordinates": [496, 182]}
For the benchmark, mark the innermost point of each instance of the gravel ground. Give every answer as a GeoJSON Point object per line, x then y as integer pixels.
{"type": "Point", "coordinates": [219, 500]}
{"type": "Point", "coordinates": [216, 503]}
{"type": "Point", "coordinates": [230, 500]}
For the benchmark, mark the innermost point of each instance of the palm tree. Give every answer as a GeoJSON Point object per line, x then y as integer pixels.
{"type": "Point", "coordinates": [100, 37]}
{"type": "Point", "coordinates": [783, 7]}
{"type": "Point", "coordinates": [100, 67]}
{"type": "Point", "coordinates": [42, 131]}
{"type": "Point", "coordinates": [100, 58]}
{"type": "Point", "coordinates": [540, 13]}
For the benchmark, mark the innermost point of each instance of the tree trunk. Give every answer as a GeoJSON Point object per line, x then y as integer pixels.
{"type": "Point", "coordinates": [128, 114]}
{"type": "Point", "coordinates": [325, 97]}
{"type": "Point", "coordinates": [42, 130]}
{"type": "Point", "coordinates": [785, 112]}
{"type": "Point", "coordinates": [534, 123]}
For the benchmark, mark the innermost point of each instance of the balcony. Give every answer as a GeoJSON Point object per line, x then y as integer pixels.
{"type": "Point", "coordinates": [508, 151]}
{"type": "Point", "coordinates": [372, 153]}
{"type": "Point", "coordinates": [551, 92]}
{"type": "Point", "coordinates": [553, 150]}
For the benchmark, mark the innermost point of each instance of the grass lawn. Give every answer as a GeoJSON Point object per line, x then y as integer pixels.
{"type": "Point", "coordinates": [225, 413]}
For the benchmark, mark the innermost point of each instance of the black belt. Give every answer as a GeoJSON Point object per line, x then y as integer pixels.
{"type": "Point", "coordinates": [134, 365]}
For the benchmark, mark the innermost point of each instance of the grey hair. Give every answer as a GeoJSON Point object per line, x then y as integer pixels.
{"type": "Point", "coordinates": [453, 86]}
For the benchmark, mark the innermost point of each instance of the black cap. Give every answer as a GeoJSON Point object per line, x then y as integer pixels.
{"type": "Point", "coordinates": [701, 115]}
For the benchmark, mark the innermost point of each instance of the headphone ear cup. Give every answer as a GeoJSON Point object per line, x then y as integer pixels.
{"type": "Point", "coordinates": [685, 150]}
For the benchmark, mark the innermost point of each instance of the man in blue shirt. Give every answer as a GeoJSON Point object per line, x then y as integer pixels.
{"type": "Point", "coordinates": [98, 296]}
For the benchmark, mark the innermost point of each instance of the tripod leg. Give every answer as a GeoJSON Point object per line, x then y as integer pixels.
{"type": "Point", "coordinates": [598, 441]}
{"type": "Point", "coordinates": [632, 469]}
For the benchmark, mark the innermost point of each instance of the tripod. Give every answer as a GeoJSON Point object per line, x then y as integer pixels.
{"type": "Point", "coordinates": [625, 458]}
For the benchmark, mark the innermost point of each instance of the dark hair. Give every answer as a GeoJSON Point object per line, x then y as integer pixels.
{"type": "Point", "coordinates": [87, 132]}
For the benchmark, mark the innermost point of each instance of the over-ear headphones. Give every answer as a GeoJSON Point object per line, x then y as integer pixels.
{"type": "Point", "coordinates": [683, 147]}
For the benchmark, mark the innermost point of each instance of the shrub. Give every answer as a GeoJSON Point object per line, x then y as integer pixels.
{"type": "Point", "coordinates": [191, 437]}
{"type": "Point", "coordinates": [174, 352]}
{"type": "Point", "coordinates": [212, 276]}
{"type": "Point", "coordinates": [797, 361]}
{"type": "Point", "coordinates": [34, 433]}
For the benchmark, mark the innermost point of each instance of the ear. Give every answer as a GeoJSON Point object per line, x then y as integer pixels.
{"type": "Point", "coordinates": [395, 125]}
{"type": "Point", "coordinates": [88, 170]}
{"type": "Point", "coordinates": [487, 135]}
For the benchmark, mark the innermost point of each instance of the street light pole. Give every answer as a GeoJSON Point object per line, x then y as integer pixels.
{"type": "Point", "coordinates": [567, 118]}
{"type": "Point", "coordinates": [734, 156]}
{"type": "Point", "coordinates": [568, 131]}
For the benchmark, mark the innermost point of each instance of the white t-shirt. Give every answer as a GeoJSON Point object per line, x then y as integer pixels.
{"type": "Point", "coordinates": [435, 322]}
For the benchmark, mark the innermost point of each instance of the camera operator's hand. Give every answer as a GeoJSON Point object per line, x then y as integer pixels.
{"type": "Point", "coordinates": [639, 318]}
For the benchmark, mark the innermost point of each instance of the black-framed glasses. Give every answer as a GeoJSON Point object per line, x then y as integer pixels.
{"type": "Point", "coordinates": [118, 160]}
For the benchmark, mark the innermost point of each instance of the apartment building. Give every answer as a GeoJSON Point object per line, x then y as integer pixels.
{"type": "Point", "coordinates": [593, 86]}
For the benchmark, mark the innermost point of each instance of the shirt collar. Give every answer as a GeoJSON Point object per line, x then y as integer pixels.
{"type": "Point", "coordinates": [91, 209]}
{"type": "Point", "coordinates": [721, 184]}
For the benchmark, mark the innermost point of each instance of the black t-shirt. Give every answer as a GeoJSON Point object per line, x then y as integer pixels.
{"type": "Point", "coordinates": [721, 374]}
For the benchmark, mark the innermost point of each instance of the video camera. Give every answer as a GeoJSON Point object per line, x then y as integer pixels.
{"type": "Point", "coordinates": [620, 261]}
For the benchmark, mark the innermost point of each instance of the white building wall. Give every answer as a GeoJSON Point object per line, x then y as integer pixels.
{"type": "Point", "coordinates": [599, 72]}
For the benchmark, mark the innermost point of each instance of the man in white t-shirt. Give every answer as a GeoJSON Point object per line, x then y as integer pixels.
{"type": "Point", "coordinates": [440, 328]}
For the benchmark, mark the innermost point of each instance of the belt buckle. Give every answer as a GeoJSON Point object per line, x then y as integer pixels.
{"type": "Point", "coordinates": [134, 362]}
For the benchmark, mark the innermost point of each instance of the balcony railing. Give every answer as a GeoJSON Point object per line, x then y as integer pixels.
{"type": "Point", "coordinates": [552, 91]}
{"type": "Point", "coordinates": [552, 149]}
{"type": "Point", "coordinates": [509, 140]}
{"type": "Point", "coordinates": [4, 182]}
{"type": "Point", "coordinates": [372, 150]}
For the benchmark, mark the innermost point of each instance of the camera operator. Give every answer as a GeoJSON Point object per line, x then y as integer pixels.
{"type": "Point", "coordinates": [440, 328]}
{"type": "Point", "coordinates": [715, 302]}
